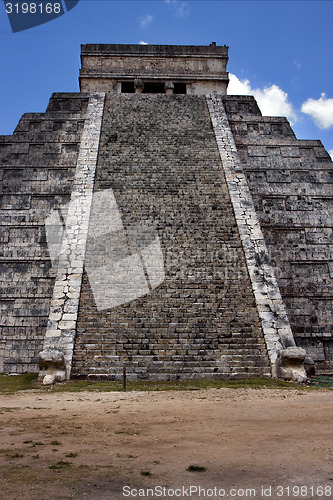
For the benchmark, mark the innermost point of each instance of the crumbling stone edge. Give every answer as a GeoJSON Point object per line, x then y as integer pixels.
{"type": "Point", "coordinates": [287, 360]}
{"type": "Point", "coordinates": [55, 360]}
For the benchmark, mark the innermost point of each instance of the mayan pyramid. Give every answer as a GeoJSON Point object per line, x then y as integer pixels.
{"type": "Point", "coordinates": [153, 222]}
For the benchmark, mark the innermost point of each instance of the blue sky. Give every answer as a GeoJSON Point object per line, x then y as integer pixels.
{"type": "Point", "coordinates": [280, 51]}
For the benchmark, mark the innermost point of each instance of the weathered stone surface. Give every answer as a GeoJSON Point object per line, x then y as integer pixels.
{"type": "Point", "coordinates": [61, 328]}
{"type": "Point", "coordinates": [291, 184]}
{"type": "Point", "coordinates": [106, 68]}
{"type": "Point", "coordinates": [37, 169]}
{"type": "Point", "coordinates": [211, 310]}
{"type": "Point", "coordinates": [275, 323]}
{"type": "Point", "coordinates": [291, 364]}
{"type": "Point", "coordinates": [51, 357]}
{"type": "Point", "coordinates": [202, 320]}
{"type": "Point", "coordinates": [52, 366]}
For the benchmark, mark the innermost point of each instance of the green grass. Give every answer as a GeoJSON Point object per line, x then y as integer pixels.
{"type": "Point", "coordinates": [11, 384]}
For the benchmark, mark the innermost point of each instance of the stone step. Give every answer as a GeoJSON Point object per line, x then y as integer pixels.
{"type": "Point", "coordinates": [160, 157]}
{"type": "Point", "coordinates": [172, 375]}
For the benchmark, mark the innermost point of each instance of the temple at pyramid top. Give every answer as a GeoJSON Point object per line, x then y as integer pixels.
{"type": "Point", "coordinates": [158, 69]}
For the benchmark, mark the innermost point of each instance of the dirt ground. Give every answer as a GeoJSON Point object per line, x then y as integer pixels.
{"type": "Point", "coordinates": [241, 443]}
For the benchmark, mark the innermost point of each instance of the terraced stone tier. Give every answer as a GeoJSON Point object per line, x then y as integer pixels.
{"type": "Point", "coordinates": [37, 169]}
{"type": "Point", "coordinates": [291, 185]}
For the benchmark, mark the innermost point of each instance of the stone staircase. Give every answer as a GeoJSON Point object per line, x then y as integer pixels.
{"type": "Point", "coordinates": [158, 155]}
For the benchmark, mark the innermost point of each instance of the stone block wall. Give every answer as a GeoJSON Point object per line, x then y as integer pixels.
{"type": "Point", "coordinates": [202, 68]}
{"type": "Point", "coordinates": [37, 167]}
{"type": "Point", "coordinates": [291, 185]}
{"type": "Point", "coordinates": [158, 155]}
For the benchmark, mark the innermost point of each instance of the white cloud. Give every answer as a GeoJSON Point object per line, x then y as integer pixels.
{"type": "Point", "coordinates": [331, 153]}
{"type": "Point", "coordinates": [143, 43]}
{"type": "Point", "coordinates": [181, 9]}
{"type": "Point", "coordinates": [320, 110]}
{"type": "Point", "coordinates": [146, 20]}
{"type": "Point", "coordinates": [238, 87]}
{"type": "Point", "coordinates": [272, 100]}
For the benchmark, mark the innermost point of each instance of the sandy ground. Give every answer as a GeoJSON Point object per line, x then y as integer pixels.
{"type": "Point", "coordinates": [132, 445]}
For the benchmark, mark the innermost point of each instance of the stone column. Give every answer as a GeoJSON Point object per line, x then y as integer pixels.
{"type": "Point", "coordinates": [285, 357]}
{"type": "Point", "coordinates": [56, 358]}
{"type": "Point", "coordinates": [138, 85]}
{"type": "Point", "coordinates": [169, 86]}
